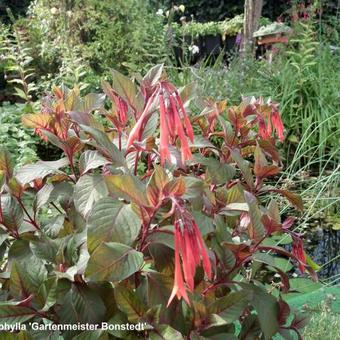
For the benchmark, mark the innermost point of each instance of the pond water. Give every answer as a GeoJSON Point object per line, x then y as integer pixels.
{"type": "Point", "coordinates": [323, 245]}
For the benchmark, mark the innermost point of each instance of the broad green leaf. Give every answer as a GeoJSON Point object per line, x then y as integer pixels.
{"type": "Point", "coordinates": [128, 302]}
{"type": "Point", "coordinates": [11, 313]}
{"type": "Point", "coordinates": [244, 167]}
{"type": "Point", "coordinates": [266, 307]}
{"type": "Point", "coordinates": [273, 261]}
{"type": "Point", "coordinates": [51, 293]}
{"type": "Point", "coordinates": [128, 187]}
{"type": "Point", "coordinates": [250, 328]}
{"type": "Point", "coordinates": [113, 262]}
{"type": "Point", "coordinates": [126, 89]}
{"type": "Point", "coordinates": [204, 222]}
{"type": "Point", "coordinates": [159, 288]}
{"type": "Point", "coordinates": [104, 145]}
{"type": "Point", "coordinates": [81, 304]}
{"type": "Point", "coordinates": [165, 332]}
{"type": "Point", "coordinates": [12, 213]}
{"type": "Point", "coordinates": [26, 278]}
{"type": "Point", "coordinates": [303, 285]}
{"type": "Point", "coordinates": [235, 194]}
{"type": "Point", "coordinates": [88, 190]}
{"type": "Point", "coordinates": [91, 102]}
{"type": "Point", "coordinates": [150, 126]}
{"type": "Point", "coordinates": [91, 159]}
{"type": "Point", "coordinates": [45, 249]}
{"type": "Point", "coordinates": [231, 306]}
{"type": "Point", "coordinates": [92, 335]}
{"type": "Point", "coordinates": [255, 215]}
{"type": "Point", "coordinates": [201, 142]}
{"type": "Point", "coordinates": [220, 173]}
{"type": "Point", "coordinates": [41, 169]}
{"type": "Point", "coordinates": [112, 221]}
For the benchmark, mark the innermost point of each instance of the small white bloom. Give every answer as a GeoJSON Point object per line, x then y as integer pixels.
{"type": "Point", "coordinates": [54, 10]}
{"type": "Point", "coordinates": [277, 275]}
{"type": "Point", "coordinates": [181, 8]}
{"type": "Point", "coordinates": [69, 14]}
{"type": "Point", "coordinates": [194, 49]}
{"type": "Point", "coordinates": [295, 275]}
{"type": "Point", "coordinates": [167, 13]}
{"type": "Point", "coordinates": [160, 12]}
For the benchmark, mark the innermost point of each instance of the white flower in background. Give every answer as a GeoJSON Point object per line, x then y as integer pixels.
{"type": "Point", "coordinates": [69, 14]}
{"type": "Point", "coordinates": [54, 10]}
{"type": "Point", "coordinates": [160, 12]}
{"type": "Point", "coordinates": [167, 13]}
{"type": "Point", "coordinates": [181, 8]}
{"type": "Point", "coordinates": [194, 49]}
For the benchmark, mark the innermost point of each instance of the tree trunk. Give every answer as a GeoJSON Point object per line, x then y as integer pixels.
{"type": "Point", "coordinates": [252, 14]}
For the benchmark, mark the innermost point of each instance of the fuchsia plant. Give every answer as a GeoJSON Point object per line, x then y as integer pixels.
{"type": "Point", "coordinates": [154, 215]}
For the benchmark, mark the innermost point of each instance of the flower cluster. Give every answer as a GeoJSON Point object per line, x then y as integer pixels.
{"type": "Point", "coordinates": [189, 245]}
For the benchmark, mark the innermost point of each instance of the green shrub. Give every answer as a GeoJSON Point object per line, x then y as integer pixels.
{"type": "Point", "coordinates": [18, 140]}
{"type": "Point", "coordinates": [184, 245]}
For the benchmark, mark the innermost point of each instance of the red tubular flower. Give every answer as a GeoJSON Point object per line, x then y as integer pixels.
{"type": "Point", "coordinates": [178, 289]}
{"type": "Point", "coordinates": [164, 132]}
{"type": "Point", "coordinates": [278, 125]}
{"type": "Point", "coordinates": [174, 121]}
{"type": "Point", "coordinates": [190, 246]}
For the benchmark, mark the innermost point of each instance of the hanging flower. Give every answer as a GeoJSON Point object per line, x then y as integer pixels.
{"type": "Point", "coordinates": [174, 122]}
{"type": "Point", "coordinates": [190, 247]}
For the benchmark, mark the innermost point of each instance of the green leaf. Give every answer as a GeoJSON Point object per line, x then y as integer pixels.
{"type": "Point", "coordinates": [165, 332]}
{"type": "Point", "coordinates": [126, 89]}
{"type": "Point", "coordinates": [104, 145]}
{"type": "Point", "coordinates": [159, 288]}
{"type": "Point", "coordinates": [26, 278]}
{"type": "Point", "coordinates": [45, 249]}
{"type": "Point", "coordinates": [11, 313]}
{"type": "Point", "coordinates": [255, 215]}
{"type": "Point", "coordinates": [220, 173]}
{"type": "Point", "coordinates": [41, 169]}
{"type": "Point", "coordinates": [12, 213]}
{"type": "Point", "coordinates": [231, 306]}
{"type": "Point", "coordinates": [88, 190]}
{"type": "Point", "coordinates": [304, 285]}
{"type": "Point", "coordinates": [112, 220]}
{"type": "Point", "coordinates": [113, 262]}
{"type": "Point", "coordinates": [81, 304]}
{"type": "Point", "coordinates": [128, 187]}
{"type": "Point", "coordinates": [91, 102]}
{"type": "Point", "coordinates": [91, 159]}
{"type": "Point", "coordinates": [273, 261]}
{"type": "Point", "coordinates": [244, 167]}
{"type": "Point", "coordinates": [250, 328]}
{"type": "Point", "coordinates": [129, 303]}
{"type": "Point", "coordinates": [266, 307]}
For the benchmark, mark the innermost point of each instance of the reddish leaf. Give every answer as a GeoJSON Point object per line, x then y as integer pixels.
{"type": "Point", "coordinates": [293, 198]}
